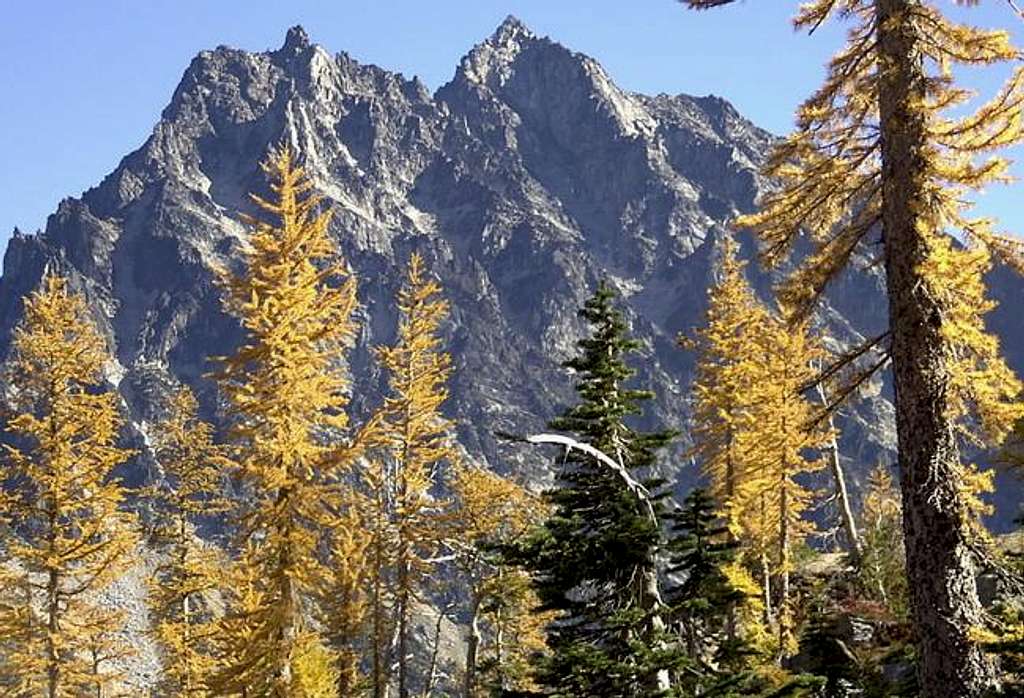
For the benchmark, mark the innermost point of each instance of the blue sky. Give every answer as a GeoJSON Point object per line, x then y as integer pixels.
{"type": "Point", "coordinates": [84, 82]}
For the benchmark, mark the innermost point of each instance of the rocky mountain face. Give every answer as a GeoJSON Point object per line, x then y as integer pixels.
{"type": "Point", "coordinates": [523, 181]}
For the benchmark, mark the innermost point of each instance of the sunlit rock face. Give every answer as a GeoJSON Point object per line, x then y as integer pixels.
{"type": "Point", "coordinates": [523, 181]}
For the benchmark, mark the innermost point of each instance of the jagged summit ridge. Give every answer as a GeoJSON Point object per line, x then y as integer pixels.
{"type": "Point", "coordinates": [522, 182]}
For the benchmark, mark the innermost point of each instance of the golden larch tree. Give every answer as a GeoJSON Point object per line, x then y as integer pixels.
{"type": "Point", "coordinates": [489, 511]}
{"type": "Point", "coordinates": [882, 568]}
{"type": "Point", "coordinates": [68, 529]}
{"type": "Point", "coordinates": [784, 445]}
{"type": "Point", "coordinates": [346, 600]}
{"type": "Point", "coordinates": [377, 480]}
{"type": "Point", "coordinates": [729, 355]}
{"type": "Point", "coordinates": [288, 395]}
{"type": "Point", "coordinates": [191, 572]}
{"type": "Point", "coordinates": [420, 444]}
{"type": "Point", "coordinates": [880, 154]}
{"type": "Point", "coordinates": [726, 371]}
{"type": "Point", "coordinates": [240, 671]}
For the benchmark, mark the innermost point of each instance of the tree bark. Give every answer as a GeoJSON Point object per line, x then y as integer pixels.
{"type": "Point", "coordinates": [53, 628]}
{"type": "Point", "coordinates": [379, 674]}
{"type": "Point", "coordinates": [403, 630]}
{"type": "Point", "coordinates": [472, 644]}
{"type": "Point", "coordinates": [289, 611]}
{"type": "Point", "coordinates": [839, 478]}
{"type": "Point", "coordinates": [435, 651]}
{"type": "Point", "coordinates": [940, 567]}
{"type": "Point", "coordinates": [784, 609]}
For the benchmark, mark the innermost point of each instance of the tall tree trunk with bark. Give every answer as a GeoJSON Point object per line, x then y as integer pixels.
{"type": "Point", "coordinates": [940, 567]}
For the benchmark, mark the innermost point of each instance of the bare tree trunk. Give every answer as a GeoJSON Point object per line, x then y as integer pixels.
{"type": "Point", "coordinates": [784, 610]}
{"type": "Point", "coordinates": [472, 644]}
{"type": "Point", "coordinates": [289, 600]}
{"type": "Point", "coordinates": [651, 602]}
{"type": "Point", "coordinates": [378, 672]}
{"type": "Point", "coordinates": [53, 660]}
{"type": "Point", "coordinates": [730, 492]}
{"type": "Point", "coordinates": [53, 626]}
{"type": "Point", "coordinates": [940, 568]}
{"type": "Point", "coordinates": [428, 686]}
{"type": "Point", "coordinates": [97, 679]}
{"type": "Point", "coordinates": [499, 642]}
{"type": "Point", "coordinates": [186, 611]}
{"type": "Point", "coordinates": [839, 478]}
{"type": "Point", "coordinates": [766, 571]}
{"type": "Point", "coordinates": [648, 597]}
{"type": "Point", "coordinates": [403, 633]}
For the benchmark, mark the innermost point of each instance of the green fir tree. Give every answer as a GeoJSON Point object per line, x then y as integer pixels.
{"type": "Point", "coordinates": [594, 558]}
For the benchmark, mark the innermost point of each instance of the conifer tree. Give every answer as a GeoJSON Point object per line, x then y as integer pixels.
{"type": "Point", "coordinates": [703, 552]}
{"type": "Point", "coordinates": [21, 632]}
{"type": "Point", "coordinates": [752, 431]}
{"type": "Point", "coordinates": [489, 511]}
{"type": "Point", "coordinates": [882, 567]}
{"type": "Point", "coordinates": [595, 558]}
{"type": "Point", "coordinates": [1003, 636]}
{"type": "Point", "coordinates": [727, 368]}
{"type": "Point", "coordinates": [68, 530]}
{"type": "Point", "coordinates": [345, 604]}
{"type": "Point", "coordinates": [240, 671]}
{"type": "Point", "coordinates": [782, 442]}
{"type": "Point", "coordinates": [378, 482]}
{"type": "Point", "coordinates": [876, 147]}
{"type": "Point", "coordinates": [288, 396]}
{"type": "Point", "coordinates": [420, 444]}
{"type": "Point", "coordinates": [316, 668]}
{"type": "Point", "coordinates": [188, 494]}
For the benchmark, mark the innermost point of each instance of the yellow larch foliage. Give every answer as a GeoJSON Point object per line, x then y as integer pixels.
{"type": "Point", "coordinates": [105, 654]}
{"type": "Point", "coordinates": [985, 393]}
{"type": "Point", "coordinates": [881, 568]}
{"type": "Point", "coordinates": [831, 172]}
{"type": "Point", "coordinates": [516, 633]}
{"type": "Point", "coordinates": [488, 510]}
{"type": "Point", "coordinates": [68, 530]}
{"type": "Point", "coordinates": [192, 569]}
{"type": "Point", "coordinates": [241, 672]}
{"type": "Point", "coordinates": [727, 367]}
{"type": "Point", "coordinates": [420, 442]}
{"type": "Point", "coordinates": [784, 445]}
{"type": "Point", "coordinates": [288, 395]}
{"type": "Point", "coordinates": [21, 632]}
{"type": "Point", "coordinates": [345, 605]}
{"type": "Point", "coordinates": [881, 170]}
{"type": "Point", "coordinates": [378, 482]}
{"type": "Point", "coordinates": [316, 669]}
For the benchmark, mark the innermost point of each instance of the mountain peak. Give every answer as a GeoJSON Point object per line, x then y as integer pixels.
{"type": "Point", "coordinates": [510, 29]}
{"type": "Point", "coordinates": [492, 59]}
{"type": "Point", "coordinates": [296, 40]}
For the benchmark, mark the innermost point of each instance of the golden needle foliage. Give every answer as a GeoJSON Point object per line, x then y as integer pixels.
{"type": "Point", "coordinates": [192, 570]}
{"type": "Point", "coordinates": [288, 399]}
{"type": "Point", "coordinates": [419, 440]}
{"type": "Point", "coordinates": [68, 531]}
{"type": "Point", "coordinates": [726, 372]}
{"type": "Point", "coordinates": [832, 188]}
{"type": "Point", "coordinates": [754, 430]}
{"type": "Point", "coordinates": [783, 444]}
{"type": "Point", "coordinates": [345, 605]}
{"type": "Point", "coordinates": [504, 625]}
